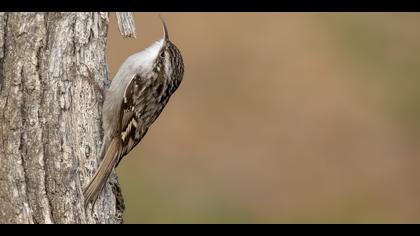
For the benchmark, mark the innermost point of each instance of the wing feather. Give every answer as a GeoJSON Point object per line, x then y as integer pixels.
{"type": "Point", "coordinates": [130, 123]}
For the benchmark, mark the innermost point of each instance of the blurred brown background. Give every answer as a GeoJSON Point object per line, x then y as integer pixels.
{"type": "Point", "coordinates": [281, 118]}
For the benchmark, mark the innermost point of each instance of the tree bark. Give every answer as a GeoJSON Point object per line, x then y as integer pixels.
{"type": "Point", "coordinates": [53, 72]}
{"type": "Point", "coordinates": [126, 24]}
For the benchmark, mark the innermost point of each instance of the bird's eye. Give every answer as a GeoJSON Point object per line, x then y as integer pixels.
{"type": "Point", "coordinates": [162, 54]}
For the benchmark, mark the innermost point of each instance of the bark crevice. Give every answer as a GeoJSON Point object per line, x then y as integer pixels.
{"type": "Point", "coordinates": [3, 23]}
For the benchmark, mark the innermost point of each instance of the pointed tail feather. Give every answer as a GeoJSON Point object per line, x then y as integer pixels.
{"type": "Point", "coordinates": [94, 188]}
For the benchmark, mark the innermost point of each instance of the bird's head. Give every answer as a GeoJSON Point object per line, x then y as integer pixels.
{"type": "Point", "coordinates": [168, 61]}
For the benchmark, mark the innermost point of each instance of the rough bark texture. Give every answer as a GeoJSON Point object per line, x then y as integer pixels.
{"type": "Point", "coordinates": [52, 73]}
{"type": "Point", "coordinates": [126, 24]}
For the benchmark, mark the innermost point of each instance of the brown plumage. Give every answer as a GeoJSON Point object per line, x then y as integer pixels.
{"type": "Point", "coordinates": [136, 97]}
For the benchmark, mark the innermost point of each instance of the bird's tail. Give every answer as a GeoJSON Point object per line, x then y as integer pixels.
{"type": "Point", "coordinates": [95, 186]}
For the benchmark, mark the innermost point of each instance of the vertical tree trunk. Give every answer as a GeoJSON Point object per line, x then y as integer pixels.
{"type": "Point", "coordinates": [52, 73]}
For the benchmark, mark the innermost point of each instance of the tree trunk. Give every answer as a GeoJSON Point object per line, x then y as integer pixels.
{"type": "Point", "coordinates": [52, 73]}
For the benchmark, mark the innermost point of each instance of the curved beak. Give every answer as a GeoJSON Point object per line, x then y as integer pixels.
{"type": "Point", "coordinates": [165, 29]}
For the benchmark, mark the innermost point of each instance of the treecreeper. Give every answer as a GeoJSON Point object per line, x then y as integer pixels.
{"type": "Point", "coordinates": [136, 96]}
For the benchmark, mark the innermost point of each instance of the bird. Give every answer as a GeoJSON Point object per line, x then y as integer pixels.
{"type": "Point", "coordinates": [135, 98]}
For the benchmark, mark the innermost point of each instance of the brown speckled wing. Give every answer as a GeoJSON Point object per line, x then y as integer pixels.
{"type": "Point", "coordinates": [129, 121]}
